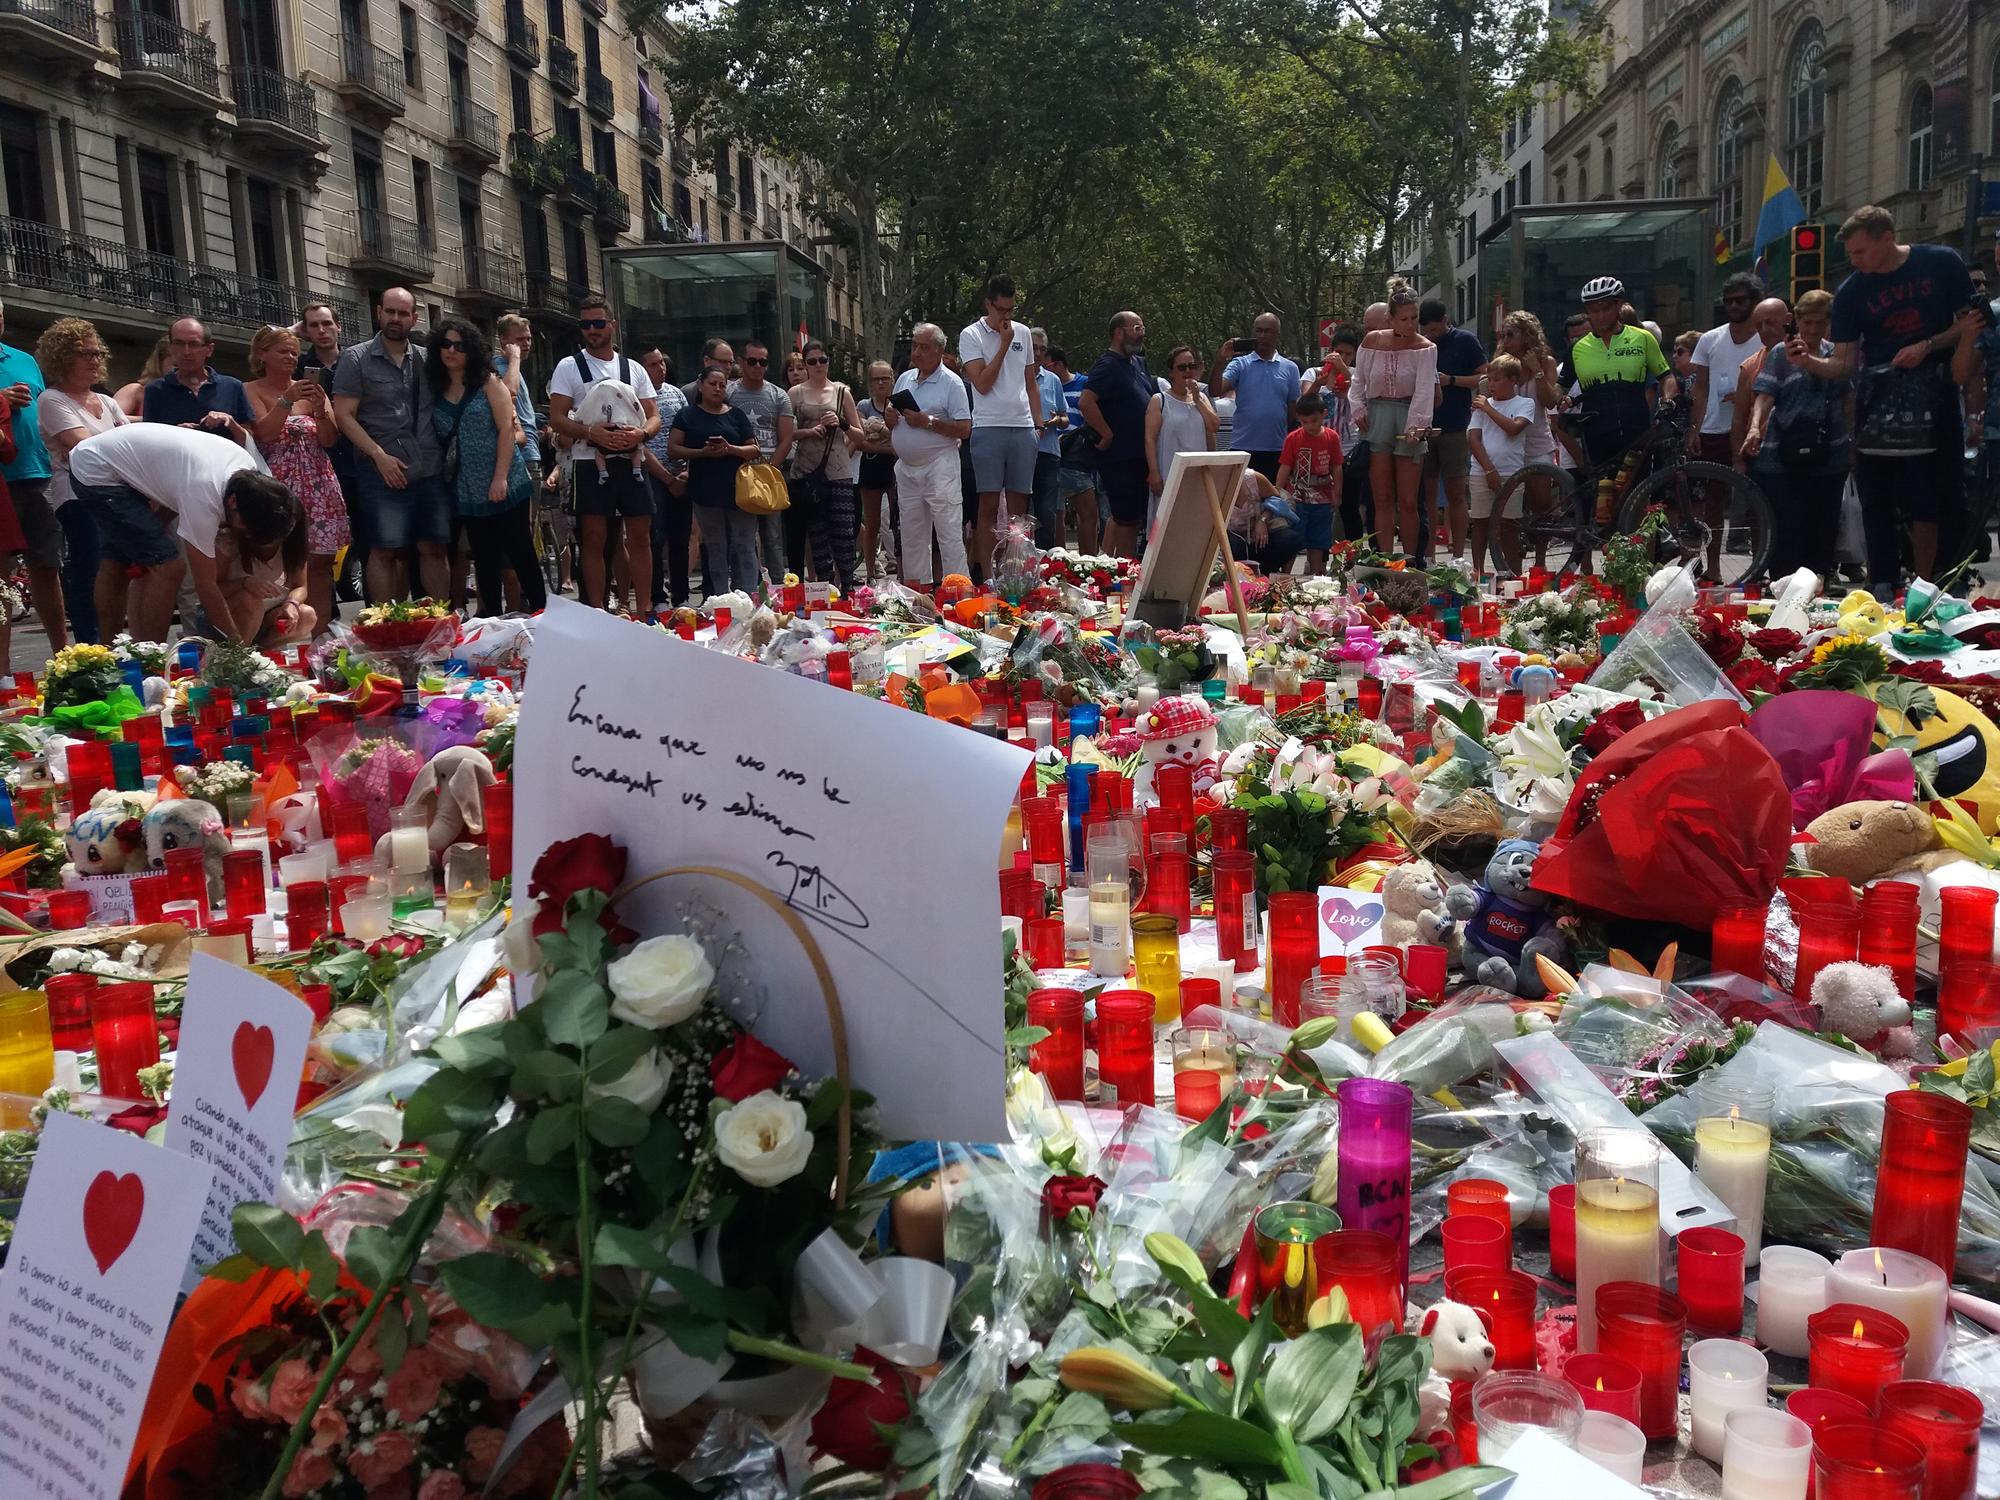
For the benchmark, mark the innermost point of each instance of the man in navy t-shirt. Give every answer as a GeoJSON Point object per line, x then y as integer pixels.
{"type": "Point", "coordinates": [1461, 361]}
{"type": "Point", "coordinates": [1896, 322]}
{"type": "Point", "coordinates": [1113, 403]}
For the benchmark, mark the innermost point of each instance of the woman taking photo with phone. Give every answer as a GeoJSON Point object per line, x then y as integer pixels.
{"type": "Point", "coordinates": [1798, 443]}
{"type": "Point", "coordinates": [717, 439]}
{"type": "Point", "coordinates": [473, 412]}
{"type": "Point", "coordinates": [1395, 384]}
{"type": "Point", "coordinates": [294, 429]}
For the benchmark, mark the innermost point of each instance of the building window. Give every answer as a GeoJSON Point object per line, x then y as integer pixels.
{"type": "Point", "coordinates": [1562, 186]}
{"type": "Point", "coordinates": [1527, 123]}
{"type": "Point", "coordinates": [683, 202]}
{"type": "Point", "coordinates": [1610, 171]}
{"type": "Point", "coordinates": [524, 102]}
{"type": "Point", "coordinates": [1582, 180]}
{"type": "Point", "coordinates": [21, 164]}
{"type": "Point", "coordinates": [1921, 142]}
{"type": "Point", "coordinates": [534, 236]}
{"type": "Point", "coordinates": [262, 200]}
{"type": "Point", "coordinates": [604, 152]}
{"type": "Point", "coordinates": [1510, 193]}
{"type": "Point", "coordinates": [1729, 129]}
{"type": "Point", "coordinates": [406, 16]}
{"type": "Point", "coordinates": [746, 185]}
{"type": "Point", "coordinates": [1993, 108]}
{"type": "Point", "coordinates": [1527, 182]}
{"type": "Point", "coordinates": [1805, 116]}
{"type": "Point", "coordinates": [422, 202]}
{"type": "Point", "coordinates": [1513, 139]}
{"type": "Point", "coordinates": [651, 189]}
{"type": "Point", "coordinates": [1670, 172]}
{"type": "Point", "coordinates": [1497, 210]}
{"type": "Point", "coordinates": [155, 180]}
{"type": "Point", "coordinates": [593, 51]}
{"type": "Point", "coordinates": [556, 26]}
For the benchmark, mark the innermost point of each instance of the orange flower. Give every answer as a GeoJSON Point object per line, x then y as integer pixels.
{"type": "Point", "coordinates": [291, 1388]}
{"type": "Point", "coordinates": [413, 1389]}
{"type": "Point", "coordinates": [329, 1429]}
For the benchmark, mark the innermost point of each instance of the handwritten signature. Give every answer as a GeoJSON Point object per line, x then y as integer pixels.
{"type": "Point", "coordinates": [812, 891]}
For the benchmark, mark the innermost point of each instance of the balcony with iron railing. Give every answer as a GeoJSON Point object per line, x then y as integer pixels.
{"type": "Point", "coordinates": [491, 275]}
{"type": "Point", "coordinates": [86, 275]}
{"type": "Point", "coordinates": [524, 39]}
{"type": "Point", "coordinates": [1911, 22]}
{"type": "Point", "coordinates": [578, 186]}
{"type": "Point", "coordinates": [562, 67]}
{"type": "Point", "coordinates": [598, 95]}
{"type": "Point", "coordinates": [176, 64]}
{"type": "Point", "coordinates": [614, 208]}
{"type": "Point", "coordinates": [463, 13]}
{"type": "Point", "coordinates": [665, 228]}
{"type": "Point", "coordinates": [271, 104]}
{"type": "Point", "coordinates": [652, 139]}
{"type": "Point", "coordinates": [371, 78]}
{"type": "Point", "coordinates": [553, 295]}
{"type": "Point", "coordinates": [475, 133]}
{"type": "Point", "coordinates": [64, 30]}
{"type": "Point", "coordinates": [374, 242]}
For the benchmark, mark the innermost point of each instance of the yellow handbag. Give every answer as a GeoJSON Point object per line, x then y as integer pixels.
{"type": "Point", "coordinates": [761, 490]}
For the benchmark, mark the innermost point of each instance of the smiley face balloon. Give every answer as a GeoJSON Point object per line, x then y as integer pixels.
{"type": "Point", "coordinates": [1966, 748]}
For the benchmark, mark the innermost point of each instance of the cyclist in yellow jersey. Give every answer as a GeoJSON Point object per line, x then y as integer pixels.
{"type": "Point", "coordinates": [1613, 364]}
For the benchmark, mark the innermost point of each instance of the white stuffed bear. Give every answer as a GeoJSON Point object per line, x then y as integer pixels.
{"type": "Point", "coordinates": [1460, 1351]}
{"type": "Point", "coordinates": [1413, 906]}
{"type": "Point", "coordinates": [1860, 1002]}
{"type": "Point", "coordinates": [1177, 729]}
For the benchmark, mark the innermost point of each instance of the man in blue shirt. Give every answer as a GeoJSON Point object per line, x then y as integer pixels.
{"type": "Point", "coordinates": [1461, 360]}
{"type": "Point", "coordinates": [28, 481]}
{"type": "Point", "coordinates": [1076, 480]}
{"type": "Point", "coordinates": [1113, 403]}
{"type": "Point", "coordinates": [1266, 385]}
{"type": "Point", "coordinates": [190, 392]}
{"type": "Point", "coordinates": [1048, 448]}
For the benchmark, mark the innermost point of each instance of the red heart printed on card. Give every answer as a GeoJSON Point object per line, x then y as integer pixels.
{"type": "Point", "coordinates": [1348, 920]}
{"type": "Point", "coordinates": [251, 1050]}
{"type": "Point", "coordinates": [112, 1208]}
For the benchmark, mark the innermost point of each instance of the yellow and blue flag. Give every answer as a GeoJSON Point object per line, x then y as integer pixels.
{"type": "Point", "coordinates": [1782, 208]}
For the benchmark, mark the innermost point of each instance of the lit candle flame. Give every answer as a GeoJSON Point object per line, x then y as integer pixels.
{"type": "Point", "coordinates": [1857, 1328]}
{"type": "Point", "coordinates": [1879, 1269]}
{"type": "Point", "coordinates": [1600, 1382]}
{"type": "Point", "coordinates": [1734, 1111]}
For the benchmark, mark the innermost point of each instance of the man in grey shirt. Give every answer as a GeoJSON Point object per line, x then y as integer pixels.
{"type": "Point", "coordinates": [382, 401]}
{"type": "Point", "coordinates": [770, 412]}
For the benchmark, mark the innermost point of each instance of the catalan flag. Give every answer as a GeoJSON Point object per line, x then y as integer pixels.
{"type": "Point", "coordinates": [1782, 208]}
{"type": "Point", "coordinates": [1721, 248]}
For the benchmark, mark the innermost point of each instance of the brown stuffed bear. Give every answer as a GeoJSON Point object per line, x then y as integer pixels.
{"type": "Point", "coordinates": [1864, 841]}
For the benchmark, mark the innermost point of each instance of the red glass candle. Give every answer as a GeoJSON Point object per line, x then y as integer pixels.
{"type": "Point", "coordinates": [338, 889]}
{"type": "Point", "coordinates": [1921, 1179]}
{"type": "Point", "coordinates": [1197, 993]}
{"type": "Point", "coordinates": [352, 843]}
{"type": "Point", "coordinates": [1365, 1265]}
{"type": "Point", "coordinates": [1859, 1461]}
{"type": "Point", "coordinates": [1475, 1243]}
{"type": "Point", "coordinates": [1889, 931]}
{"type": "Point", "coordinates": [1944, 1421]}
{"type": "Point", "coordinates": [1736, 940]}
{"type": "Point", "coordinates": [1167, 876]}
{"type": "Point", "coordinates": [306, 916]}
{"type": "Point", "coordinates": [1562, 1232]}
{"type": "Point", "coordinates": [1826, 936]}
{"type": "Point", "coordinates": [187, 877]}
{"type": "Point", "coordinates": [1125, 1046]}
{"type": "Point", "coordinates": [1818, 1409]}
{"type": "Point", "coordinates": [1646, 1325]}
{"type": "Point", "coordinates": [1968, 1001]}
{"type": "Point", "coordinates": [1479, 1197]}
{"type": "Point", "coordinates": [243, 882]}
{"type": "Point", "coordinates": [1044, 937]}
{"type": "Point", "coordinates": [1711, 1279]}
{"type": "Point", "coordinates": [840, 670]}
{"type": "Point", "coordinates": [1505, 1302]}
{"type": "Point", "coordinates": [1112, 793]}
{"type": "Point", "coordinates": [149, 896]}
{"type": "Point", "coordinates": [69, 1010]}
{"type": "Point", "coordinates": [1368, 697]}
{"type": "Point", "coordinates": [1058, 1057]}
{"type": "Point", "coordinates": [1424, 968]}
{"type": "Point", "coordinates": [69, 909]}
{"type": "Point", "coordinates": [1508, 708]}
{"type": "Point", "coordinates": [1229, 828]}
{"type": "Point", "coordinates": [1021, 895]}
{"type": "Point", "coordinates": [1965, 924]}
{"type": "Point", "coordinates": [1606, 1383]}
{"type": "Point", "coordinates": [89, 765]}
{"type": "Point", "coordinates": [1233, 875]}
{"type": "Point", "coordinates": [1468, 671]}
{"type": "Point", "coordinates": [1294, 943]}
{"type": "Point", "coordinates": [1197, 1093]}
{"type": "Point", "coordinates": [1173, 785]}
{"type": "Point", "coordinates": [126, 1035]}
{"type": "Point", "coordinates": [497, 808]}
{"type": "Point", "coordinates": [1855, 1350]}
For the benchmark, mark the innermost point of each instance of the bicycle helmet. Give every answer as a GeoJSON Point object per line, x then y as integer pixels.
{"type": "Point", "coordinates": [1599, 288]}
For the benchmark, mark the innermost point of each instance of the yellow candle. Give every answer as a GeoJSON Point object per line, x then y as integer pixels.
{"type": "Point", "coordinates": [1156, 954]}
{"type": "Point", "coordinates": [1617, 1239]}
{"type": "Point", "coordinates": [1732, 1157]}
{"type": "Point", "coordinates": [27, 1052]}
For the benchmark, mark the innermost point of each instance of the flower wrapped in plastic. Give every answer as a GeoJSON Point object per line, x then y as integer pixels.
{"type": "Point", "coordinates": [1632, 1030]}
{"type": "Point", "coordinates": [1823, 743]}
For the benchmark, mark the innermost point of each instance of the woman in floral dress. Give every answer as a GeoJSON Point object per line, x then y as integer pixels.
{"type": "Point", "coordinates": [294, 429]}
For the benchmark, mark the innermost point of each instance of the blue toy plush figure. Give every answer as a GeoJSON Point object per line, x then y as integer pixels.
{"type": "Point", "coordinates": [1506, 923]}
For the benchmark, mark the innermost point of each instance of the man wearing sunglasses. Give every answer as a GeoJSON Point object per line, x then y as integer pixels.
{"type": "Point", "coordinates": [597, 377]}
{"type": "Point", "coordinates": [382, 402]}
{"type": "Point", "coordinates": [769, 409]}
{"type": "Point", "coordinates": [1717, 358]}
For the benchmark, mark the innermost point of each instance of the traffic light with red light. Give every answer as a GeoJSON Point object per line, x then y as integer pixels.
{"type": "Point", "coordinates": [1808, 258]}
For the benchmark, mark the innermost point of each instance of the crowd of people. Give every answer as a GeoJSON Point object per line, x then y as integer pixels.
{"type": "Point", "coordinates": [226, 501]}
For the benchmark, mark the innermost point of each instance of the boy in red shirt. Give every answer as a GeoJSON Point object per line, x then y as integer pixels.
{"type": "Point", "coordinates": [1309, 474]}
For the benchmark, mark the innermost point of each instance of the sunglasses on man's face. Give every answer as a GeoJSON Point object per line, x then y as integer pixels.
{"type": "Point", "coordinates": [1184, 365]}
{"type": "Point", "coordinates": [594, 323]}
{"type": "Point", "coordinates": [753, 359]}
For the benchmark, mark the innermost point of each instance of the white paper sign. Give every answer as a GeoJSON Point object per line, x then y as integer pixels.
{"type": "Point", "coordinates": [878, 826]}
{"type": "Point", "coordinates": [236, 1084]}
{"type": "Point", "coordinates": [1348, 920]}
{"type": "Point", "coordinates": [89, 1286]}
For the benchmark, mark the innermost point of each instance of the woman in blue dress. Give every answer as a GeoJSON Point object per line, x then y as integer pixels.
{"type": "Point", "coordinates": [490, 485]}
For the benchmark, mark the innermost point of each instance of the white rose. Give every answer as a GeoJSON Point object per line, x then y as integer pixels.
{"type": "Point", "coordinates": [763, 1139]}
{"type": "Point", "coordinates": [660, 982]}
{"type": "Point", "coordinates": [643, 1084]}
{"type": "Point", "coordinates": [519, 947]}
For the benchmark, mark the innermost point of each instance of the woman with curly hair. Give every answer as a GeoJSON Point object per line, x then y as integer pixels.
{"type": "Point", "coordinates": [474, 417]}
{"type": "Point", "coordinates": [71, 353]}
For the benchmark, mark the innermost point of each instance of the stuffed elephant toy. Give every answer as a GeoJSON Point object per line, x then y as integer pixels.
{"type": "Point", "coordinates": [452, 789]}
{"type": "Point", "coordinates": [188, 823]}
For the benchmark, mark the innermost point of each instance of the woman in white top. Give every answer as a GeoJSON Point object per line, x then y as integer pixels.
{"type": "Point", "coordinates": [1395, 384]}
{"type": "Point", "coordinates": [1179, 419]}
{"type": "Point", "coordinates": [72, 353]}
{"type": "Point", "coordinates": [823, 470]}
{"type": "Point", "coordinates": [1521, 335]}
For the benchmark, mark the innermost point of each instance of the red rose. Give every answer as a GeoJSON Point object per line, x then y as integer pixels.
{"type": "Point", "coordinates": [848, 1425]}
{"type": "Point", "coordinates": [1062, 1194]}
{"type": "Point", "coordinates": [747, 1067]}
{"type": "Point", "coordinates": [1752, 676]}
{"type": "Point", "coordinates": [1720, 641]}
{"type": "Point", "coordinates": [1609, 725]}
{"type": "Point", "coordinates": [1772, 644]}
{"type": "Point", "coordinates": [588, 862]}
{"type": "Point", "coordinates": [138, 1119]}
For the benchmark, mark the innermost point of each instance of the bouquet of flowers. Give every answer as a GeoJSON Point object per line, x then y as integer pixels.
{"type": "Point", "coordinates": [215, 781]}
{"type": "Point", "coordinates": [1177, 658]}
{"type": "Point", "coordinates": [80, 674]}
{"type": "Point", "coordinates": [1094, 572]}
{"type": "Point", "coordinates": [374, 773]}
{"type": "Point", "coordinates": [419, 625]}
{"type": "Point", "coordinates": [243, 671]}
{"type": "Point", "coordinates": [1552, 622]}
{"type": "Point", "coordinates": [152, 655]}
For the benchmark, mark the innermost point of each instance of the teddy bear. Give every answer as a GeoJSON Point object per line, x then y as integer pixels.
{"type": "Point", "coordinates": [107, 838]}
{"type": "Point", "coordinates": [1461, 1351]}
{"type": "Point", "coordinates": [1864, 841]}
{"type": "Point", "coordinates": [452, 788]}
{"type": "Point", "coordinates": [1504, 923]}
{"type": "Point", "coordinates": [188, 823]}
{"type": "Point", "coordinates": [1861, 1003]}
{"type": "Point", "coordinates": [1179, 729]}
{"type": "Point", "coordinates": [1414, 908]}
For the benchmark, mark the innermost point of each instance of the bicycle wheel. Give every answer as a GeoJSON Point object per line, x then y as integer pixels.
{"type": "Point", "coordinates": [1551, 529]}
{"type": "Point", "coordinates": [1715, 517]}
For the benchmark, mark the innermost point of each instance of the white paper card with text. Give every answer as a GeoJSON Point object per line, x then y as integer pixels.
{"type": "Point", "coordinates": [236, 1084]}
{"type": "Point", "coordinates": [1348, 921]}
{"type": "Point", "coordinates": [876, 825]}
{"type": "Point", "coordinates": [90, 1283]}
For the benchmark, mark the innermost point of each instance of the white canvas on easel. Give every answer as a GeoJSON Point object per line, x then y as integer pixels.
{"type": "Point", "coordinates": [1191, 528]}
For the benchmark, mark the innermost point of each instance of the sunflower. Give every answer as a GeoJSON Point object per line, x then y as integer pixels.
{"type": "Point", "coordinates": [1856, 648]}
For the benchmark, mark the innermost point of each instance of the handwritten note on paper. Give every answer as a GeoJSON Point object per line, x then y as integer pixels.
{"type": "Point", "coordinates": [89, 1285]}
{"type": "Point", "coordinates": [877, 825]}
{"type": "Point", "coordinates": [236, 1083]}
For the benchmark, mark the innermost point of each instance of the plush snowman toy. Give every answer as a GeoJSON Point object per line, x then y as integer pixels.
{"type": "Point", "coordinates": [1177, 729]}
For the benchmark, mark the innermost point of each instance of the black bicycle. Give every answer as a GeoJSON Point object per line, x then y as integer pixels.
{"type": "Point", "coordinates": [1712, 514]}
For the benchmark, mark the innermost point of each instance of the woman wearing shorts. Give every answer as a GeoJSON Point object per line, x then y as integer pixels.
{"type": "Point", "coordinates": [1395, 384]}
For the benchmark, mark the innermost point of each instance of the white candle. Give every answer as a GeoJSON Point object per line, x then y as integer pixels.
{"type": "Point", "coordinates": [1766, 1455]}
{"type": "Point", "coordinates": [1076, 918]}
{"type": "Point", "coordinates": [1732, 1156]}
{"type": "Point", "coordinates": [1617, 1239]}
{"type": "Point", "coordinates": [1612, 1443]}
{"type": "Point", "coordinates": [1905, 1286]}
{"type": "Point", "coordinates": [1791, 1287]}
{"type": "Point", "coordinates": [1724, 1375]}
{"type": "Point", "coordinates": [409, 850]}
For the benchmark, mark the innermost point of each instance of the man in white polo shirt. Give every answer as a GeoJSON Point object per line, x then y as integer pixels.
{"type": "Point", "coordinates": [1007, 413]}
{"type": "Point", "coordinates": [929, 415]}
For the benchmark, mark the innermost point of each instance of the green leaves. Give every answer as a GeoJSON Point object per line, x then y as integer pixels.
{"type": "Point", "coordinates": [1312, 1379]}
{"type": "Point", "coordinates": [615, 1122]}
{"type": "Point", "coordinates": [494, 1289]}
{"type": "Point", "coordinates": [1222, 1325]}
{"type": "Point", "coordinates": [1247, 1359]}
{"type": "Point", "coordinates": [616, 1051]}
{"type": "Point", "coordinates": [576, 1008]}
{"type": "Point", "coordinates": [447, 1104]}
{"type": "Point", "coordinates": [268, 1235]}
{"type": "Point", "coordinates": [1203, 1434]}
{"type": "Point", "coordinates": [371, 1255]}
{"type": "Point", "coordinates": [546, 1074]}
{"type": "Point", "coordinates": [553, 1133]}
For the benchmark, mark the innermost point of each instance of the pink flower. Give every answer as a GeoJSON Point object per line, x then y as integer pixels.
{"type": "Point", "coordinates": [377, 1460]}
{"type": "Point", "coordinates": [482, 1451]}
{"type": "Point", "coordinates": [441, 1484]}
{"type": "Point", "coordinates": [310, 1471]}
{"type": "Point", "coordinates": [366, 1360]}
{"type": "Point", "coordinates": [291, 1388]}
{"type": "Point", "coordinates": [245, 1396]}
{"type": "Point", "coordinates": [413, 1389]}
{"type": "Point", "coordinates": [329, 1429]}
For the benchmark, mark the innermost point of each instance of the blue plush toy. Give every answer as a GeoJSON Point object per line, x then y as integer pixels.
{"type": "Point", "coordinates": [1506, 924]}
